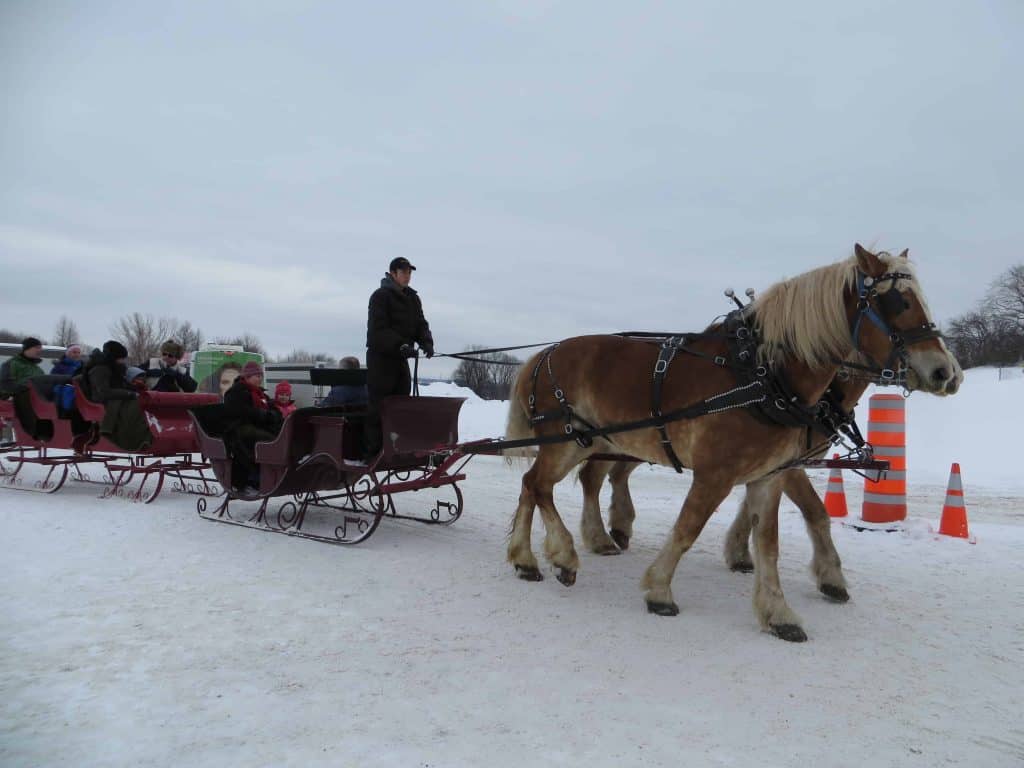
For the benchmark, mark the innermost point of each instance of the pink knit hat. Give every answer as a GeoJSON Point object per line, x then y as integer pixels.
{"type": "Point", "coordinates": [252, 368]}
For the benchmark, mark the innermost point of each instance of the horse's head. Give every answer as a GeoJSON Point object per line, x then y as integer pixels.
{"type": "Point", "coordinates": [891, 324]}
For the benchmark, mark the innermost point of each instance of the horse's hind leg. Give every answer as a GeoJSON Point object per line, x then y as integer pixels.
{"type": "Point", "coordinates": [770, 605]}
{"type": "Point", "coordinates": [737, 540]}
{"type": "Point", "coordinates": [701, 502]}
{"type": "Point", "coordinates": [825, 565]}
{"type": "Point", "coordinates": [520, 550]}
{"type": "Point", "coordinates": [553, 463]}
{"type": "Point", "coordinates": [621, 512]}
{"type": "Point", "coordinates": [595, 537]}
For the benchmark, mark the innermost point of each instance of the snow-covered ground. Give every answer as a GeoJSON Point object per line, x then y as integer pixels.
{"type": "Point", "coordinates": [141, 635]}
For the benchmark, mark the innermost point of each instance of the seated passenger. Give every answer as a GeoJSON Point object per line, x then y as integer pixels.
{"type": "Point", "coordinates": [346, 394]}
{"type": "Point", "coordinates": [136, 378]}
{"type": "Point", "coordinates": [250, 419]}
{"type": "Point", "coordinates": [104, 380]}
{"type": "Point", "coordinates": [22, 367]}
{"type": "Point", "coordinates": [171, 374]}
{"type": "Point", "coordinates": [71, 363]}
{"type": "Point", "coordinates": [283, 400]}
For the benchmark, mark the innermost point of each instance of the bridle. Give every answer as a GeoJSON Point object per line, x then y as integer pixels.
{"type": "Point", "coordinates": [890, 304]}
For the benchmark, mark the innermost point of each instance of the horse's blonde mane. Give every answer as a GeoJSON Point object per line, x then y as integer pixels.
{"type": "Point", "coordinates": [805, 317]}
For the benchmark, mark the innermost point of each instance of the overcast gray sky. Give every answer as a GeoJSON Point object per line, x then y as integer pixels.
{"type": "Point", "coordinates": [551, 168]}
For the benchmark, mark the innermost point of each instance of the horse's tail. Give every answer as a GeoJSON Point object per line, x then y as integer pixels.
{"type": "Point", "coordinates": [518, 425]}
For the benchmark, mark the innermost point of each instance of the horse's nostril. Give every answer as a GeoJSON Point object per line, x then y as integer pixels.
{"type": "Point", "coordinates": [941, 374]}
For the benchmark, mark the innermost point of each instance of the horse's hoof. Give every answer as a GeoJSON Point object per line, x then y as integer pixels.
{"type": "Point", "coordinates": [621, 539]}
{"type": "Point", "coordinates": [835, 594]}
{"type": "Point", "coordinates": [609, 549]}
{"type": "Point", "coordinates": [742, 566]}
{"type": "Point", "coordinates": [529, 573]}
{"type": "Point", "coordinates": [567, 577]}
{"type": "Point", "coordinates": [791, 633]}
{"type": "Point", "coordinates": [662, 609]}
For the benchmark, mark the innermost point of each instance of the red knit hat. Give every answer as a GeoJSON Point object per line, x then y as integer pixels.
{"type": "Point", "coordinates": [284, 388]}
{"type": "Point", "coordinates": [251, 368]}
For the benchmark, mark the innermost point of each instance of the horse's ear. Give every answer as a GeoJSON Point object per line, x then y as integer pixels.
{"type": "Point", "coordinates": [905, 254]}
{"type": "Point", "coordinates": [869, 264]}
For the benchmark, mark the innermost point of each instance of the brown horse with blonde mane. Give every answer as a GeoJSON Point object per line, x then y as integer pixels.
{"type": "Point", "coordinates": [803, 328]}
{"type": "Point", "coordinates": [826, 565]}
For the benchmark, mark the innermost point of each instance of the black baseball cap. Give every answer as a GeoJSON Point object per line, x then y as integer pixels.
{"type": "Point", "coordinates": [400, 263]}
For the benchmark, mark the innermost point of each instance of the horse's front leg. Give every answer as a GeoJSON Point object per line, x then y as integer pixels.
{"type": "Point", "coordinates": [825, 565]}
{"type": "Point", "coordinates": [770, 605]}
{"type": "Point", "coordinates": [703, 499]}
{"type": "Point", "coordinates": [595, 537]}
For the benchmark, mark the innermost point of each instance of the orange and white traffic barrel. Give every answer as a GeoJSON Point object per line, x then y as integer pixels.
{"type": "Point", "coordinates": [885, 500]}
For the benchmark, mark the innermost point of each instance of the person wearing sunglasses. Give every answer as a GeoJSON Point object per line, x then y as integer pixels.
{"type": "Point", "coordinates": [171, 374]}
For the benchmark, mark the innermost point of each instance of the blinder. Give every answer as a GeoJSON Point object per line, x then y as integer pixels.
{"type": "Point", "coordinates": [891, 305]}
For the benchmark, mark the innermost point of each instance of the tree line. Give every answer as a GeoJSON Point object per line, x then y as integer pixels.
{"type": "Point", "coordinates": [142, 334]}
{"type": "Point", "coordinates": [993, 332]}
{"type": "Point", "coordinates": [489, 374]}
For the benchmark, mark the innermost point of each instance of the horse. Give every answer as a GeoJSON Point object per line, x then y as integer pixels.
{"type": "Point", "coordinates": [803, 328]}
{"type": "Point", "coordinates": [826, 565]}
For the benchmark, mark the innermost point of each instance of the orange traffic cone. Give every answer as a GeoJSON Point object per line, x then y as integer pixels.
{"type": "Point", "coordinates": [835, 496]}
{"type": "Point", "coordinates": [954, 512]}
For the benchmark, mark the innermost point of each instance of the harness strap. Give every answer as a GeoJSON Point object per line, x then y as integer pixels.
{"type": "Point", "coordinates": [666, 355]}
{"type": "Point", "coordinates": [565, 409]}
{"type": "Point", "coordinates": [738, 397]}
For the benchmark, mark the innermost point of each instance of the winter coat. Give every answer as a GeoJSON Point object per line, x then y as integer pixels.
{"type": "Point", "coordinates": [18, 369]}
{"type": "Point", "coordinates": [66, 367]}
{"type": "Point", "coordinates": [103, 380]}
{"type": "Point", "coordinates": [345, 394]}
{"type": "Point", "coordinates": [240, 408]}
{"type": "Point", "coordinates": [171, 380]}
{"type": "Point", "coordinates": [395, 318]}
{"type": "Point", "coordinates": [287, 409]}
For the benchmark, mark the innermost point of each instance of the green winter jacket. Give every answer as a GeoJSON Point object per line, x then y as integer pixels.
{"type": "Point", "coordinates": [18, 369]}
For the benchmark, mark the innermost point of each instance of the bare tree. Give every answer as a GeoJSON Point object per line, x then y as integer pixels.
{"type": "Point", "coordinates": [247, 341]}
{"type": "Point", "coordinates": [142, 334]}
{"type": "Point", "coordinates": [992, 333]}
{"type": "Point", "coordinates": [1006, 297]}
{"type": "Point", "coordinates": [7, 336]}
{"type": "Point", "coordinates": [490, 374]}
{"type": "Point", "coordinates": [66, 332]}
{"type": "Point", "coordinates": [304, 356]}
{"type": "Point", "coordinates": [191, 338]}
